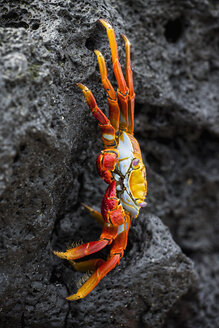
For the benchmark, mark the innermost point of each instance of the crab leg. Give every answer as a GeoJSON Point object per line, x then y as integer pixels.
{"type": "Point", "coordinates": [116, 253]}
{"type": "Point", "coordinates": [129, 81]}
{"type": "Point", "coordinates": [115, 58]}
{"type": "Point", "coordinates": [89, 265]}
{"type": "Point", "coordinates": [95, 214]}
{"type": "Point", "coordinates": [120, 242]}
{"type": "Point", "coordinates": [114, 110]}
{"type": "Point", "coordinates": [82, 250]}
{"type": "Point", "coordinates": [92, 282]}
{"type": "Point", "coordinates": [122, 91]}
{"type": "Point", "coordinates": [107, 130]}
{"type": "Point", "coordinates": [108, 235]}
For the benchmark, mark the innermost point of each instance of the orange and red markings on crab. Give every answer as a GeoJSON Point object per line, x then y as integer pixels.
{"type": "Point", "coordinates": [120, 165]}
{"type": "Point", "coordinates": [111, 210]}
{"type": "Point", "coordinates": [106, 163]}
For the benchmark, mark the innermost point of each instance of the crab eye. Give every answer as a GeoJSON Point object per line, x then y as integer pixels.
{"type": "Point", "coordinates": [135, 162]}
{"type": "Point", "coordinates": [143, 204]}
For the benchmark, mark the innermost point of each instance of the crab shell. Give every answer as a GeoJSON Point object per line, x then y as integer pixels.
{"type": "Point", "coordinates": [130, 175]}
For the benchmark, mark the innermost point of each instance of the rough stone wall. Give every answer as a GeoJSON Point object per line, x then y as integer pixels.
{"type": "Point", "coordinates": [49, 142]}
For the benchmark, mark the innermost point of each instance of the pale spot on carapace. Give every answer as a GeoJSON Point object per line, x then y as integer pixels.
{"type": "Point", "coordinates": [108, 136]}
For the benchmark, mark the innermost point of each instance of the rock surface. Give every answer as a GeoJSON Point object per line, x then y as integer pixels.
{"type": "Point", "coordinates": [49, 143]}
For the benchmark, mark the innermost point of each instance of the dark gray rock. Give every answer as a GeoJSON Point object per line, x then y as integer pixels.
{"type": "Point", "coordinates": [49, 143]}
{"type": "Point", "coordinates": [200, 307]}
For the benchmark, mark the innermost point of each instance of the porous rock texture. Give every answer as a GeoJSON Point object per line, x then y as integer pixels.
{"type": "Point", "coordinates": [49, 142]}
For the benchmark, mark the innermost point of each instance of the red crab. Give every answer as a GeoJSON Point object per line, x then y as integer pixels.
{"type": "Point", "coordinates": [119, 165]}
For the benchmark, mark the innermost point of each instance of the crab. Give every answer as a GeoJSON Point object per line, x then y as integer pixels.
{"type": "Point", "coordinates": [119, 164]}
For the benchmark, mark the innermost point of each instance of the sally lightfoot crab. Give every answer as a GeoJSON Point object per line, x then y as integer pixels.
{"type": "Point", "coordinates": [120, 165]}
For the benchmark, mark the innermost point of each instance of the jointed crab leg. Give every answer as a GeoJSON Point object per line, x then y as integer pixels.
{"type": "Point", "coordinates": [82, 250]}
{"type": "Point", "coordinates": [96, 111]}
{"type": "Point", "coordinates": [107, 130]}
{"type": "Point", "coordinates": [103, 72]}
{"type": "Point", "coordinates": [120, 242]}
{"type": "Point", "coordinates": [95, 214]}
{"type": "Point", "coordinates": [89, 265]}
{"type": "Point", "coordinates": [115, 58]}
{"type": "Point", "coordinates": [109, 233]}
{"type": "Point", "coordinates": [129, 81]}
{"type": "Point", "coordinates": [114, 111]}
